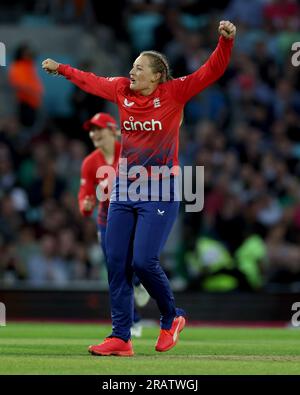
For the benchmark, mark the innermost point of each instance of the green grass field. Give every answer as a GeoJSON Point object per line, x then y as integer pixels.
{"type": "Point", "coordinates": [44, 348]}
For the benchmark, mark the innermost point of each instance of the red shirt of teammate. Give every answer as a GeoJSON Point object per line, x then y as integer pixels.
{"type": "Point", "coordinates": [90, 166]}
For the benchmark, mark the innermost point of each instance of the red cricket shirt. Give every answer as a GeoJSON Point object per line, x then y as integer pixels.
{"type": "Point", "coordinates": [89, 181]}
{"type": "Point", "coordinates": [150, 124]}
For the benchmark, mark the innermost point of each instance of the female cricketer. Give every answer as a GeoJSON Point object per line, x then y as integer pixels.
{"type": "Point", "coordinates": [102, 128]}
{"type": "Point", "coordinates": [150, 104]}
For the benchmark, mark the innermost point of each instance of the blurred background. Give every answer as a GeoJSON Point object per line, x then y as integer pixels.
{"type": "Point", "coordinates": [239, 258]}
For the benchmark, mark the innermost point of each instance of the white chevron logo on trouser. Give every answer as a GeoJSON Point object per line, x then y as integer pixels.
{"type": "Point", "coordinates": [176, 330]}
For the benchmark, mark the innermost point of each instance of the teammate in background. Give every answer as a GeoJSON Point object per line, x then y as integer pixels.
{"type": "Point", "coordinates": [102, 129]}
{"type": "Point", "coordinates": [150, 104]}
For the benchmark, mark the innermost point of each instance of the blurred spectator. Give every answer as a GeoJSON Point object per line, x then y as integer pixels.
{"type": "Point", "coordinates": [47, 266]}
{"type": "Point", "coordinates": [251, 259]}
{"type": "Point", "coordinates": [68, 251]}
{"type": "Point", "coordinates": [143, 18]}
{"type": "Point", "coordinates": [72, 11]}
{"type": "Point", "coordinates": [166, 31]}
{"type": "Point", "coordinates": [46, 185]}
{"type": "Point", "coordinates": [284, 256]}
{"type": "Point", "coordinates": [286, 98]}
{"type": "Point", "coordinates": [10, 219]}
{"type": "Point", "coordinates": [247, 12]}
{"type": "Point", "coordinates": [212, 268]}
{"type": "Point", "coordinates": [12, 268]}
{"type": "Point", "coordinates": [27, 245]}
{"type": "Point", "coordinates": [191, 56]}
{"type": "Point", "coordinates": [7, 174]}
{"type": "Point", "coordinates": [267, 67]}
{"type": "Point", "coordinates": [280, 14]}
{"type": "Point", "coordinates": [28, 87]}
{"type": "Point", "coordinates": [229, 223]}
{"type": "Point", "coordinates": [82, 269]}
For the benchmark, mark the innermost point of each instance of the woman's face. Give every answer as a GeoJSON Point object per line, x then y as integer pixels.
{"type": "Point", "coordinates": [101, 136]}
{"type": "Point", "coordinates": [141, 75]}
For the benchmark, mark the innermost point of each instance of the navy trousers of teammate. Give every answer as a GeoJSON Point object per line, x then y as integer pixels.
{"type": "Point", "coordinates": [138, 229]}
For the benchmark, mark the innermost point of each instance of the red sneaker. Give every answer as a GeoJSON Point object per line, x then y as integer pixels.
{"type": "Point", "coordinates": [113, 346]}
{"type": "Point", "coordinates": [168, 337]}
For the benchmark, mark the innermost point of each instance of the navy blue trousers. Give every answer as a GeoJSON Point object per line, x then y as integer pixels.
{"type": "Point", "coordinates": [138, 230]}
{"type": "Point", "coordinates": [136, 281]}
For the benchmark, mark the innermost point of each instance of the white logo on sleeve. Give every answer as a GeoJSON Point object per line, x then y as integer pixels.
{"type": "Point", "coordinates": [128, 103]}
{"type": "Point", "coordinates": [160, 212]}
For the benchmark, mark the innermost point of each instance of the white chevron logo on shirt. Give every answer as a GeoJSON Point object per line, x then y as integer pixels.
{"type": "Point", "coordinates": [160, 212]}
{"type": "Point", "coordinates": [128, 103]}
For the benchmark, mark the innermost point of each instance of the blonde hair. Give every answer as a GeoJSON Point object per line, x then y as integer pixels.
{"type": "Point", "coordinates": [159, 64]}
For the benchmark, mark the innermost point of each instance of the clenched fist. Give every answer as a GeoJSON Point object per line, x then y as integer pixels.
{"type": "Point", "coordinates": [227, 29]}
{"type": "Point", "coordinates": [89, 203]}
{"type": "Point", "coordinates": [50, 66]}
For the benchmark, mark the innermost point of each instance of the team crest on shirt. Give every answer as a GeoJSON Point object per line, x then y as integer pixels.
{"type": "Point", "coordinates": [82, 181]}
{"type": "Point", "coordinates": [156, 102]}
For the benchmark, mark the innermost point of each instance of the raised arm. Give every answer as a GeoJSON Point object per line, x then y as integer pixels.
{"type": "Point", "coordinates": [182, 89]}
{"type": "Point", "coordinates": [88, 82]}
